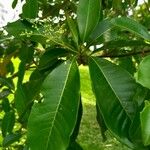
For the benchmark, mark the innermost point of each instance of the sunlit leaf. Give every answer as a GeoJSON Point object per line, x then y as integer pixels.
{"type": "Point", "coordinates": [48, 123]}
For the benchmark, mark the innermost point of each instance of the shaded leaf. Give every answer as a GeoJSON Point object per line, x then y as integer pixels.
{"type": "Point", "coordinates": [132, 26]}
{"type": "Point", "coordinates": [30, 9]}
{"type": "Point", "coordinates": [58, 106]}
{"type": "Point", "coordinates": [8, 122]}
{"type": "Point", "coordinates": [6, 105]}
{"type": "Point", "coordinates": [50, 57]}
{"type": "Point", "coordinates": [75, 133]}
{"type": "Point", "coordinates": [101, 28]}
{"type": "Point", "coordinates": [101, 123]}
{"type": "Point", "coordinates": [114, 87]}
{"type": "Point", "coordinates": [88, 14]}
{"type": "Point", "coordinates": [73, 28]}
{"type": "Point", "coordinates": [14, 3]}
{"type": "Point", "coordinates": [11, 138]}
{"type": "Point", "coordinates": [19, 27]}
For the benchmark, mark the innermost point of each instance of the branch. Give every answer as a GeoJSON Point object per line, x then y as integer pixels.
{"type": "Point", "coordinates": [125, 55]}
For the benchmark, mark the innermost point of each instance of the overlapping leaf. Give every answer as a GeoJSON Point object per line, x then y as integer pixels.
{"type": "Point", "coordinates": [132, 26]}
{"type": "Point", "coordinates": [52, 121]}
{"type": "Point", "coordinates": [114, 89]}
{"type": "Point", "coordinates": [143, 73]}
{"type": "Point", "coordinates": [88, 14]}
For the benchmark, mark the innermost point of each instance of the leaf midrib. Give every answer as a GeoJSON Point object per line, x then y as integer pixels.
{"type": "Point", "coordinates": [59, 102]}
{"type": "Point", "coordinates": [110, 86]}
{"type": "Point", "coordinates": [87, 20]}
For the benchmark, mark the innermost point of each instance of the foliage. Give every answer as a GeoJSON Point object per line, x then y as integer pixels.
{"type": "Point", "coordinates": [51, 40]}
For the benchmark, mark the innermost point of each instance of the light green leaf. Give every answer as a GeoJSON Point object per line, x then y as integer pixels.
{"type": "Point", "coordinates": [114, 89]}
{"type": "Point", "coordinates": [132, 26]}
{"type": "Point", "coordinates": [143, 73]}
{"type": "Point", "coordinates": [48, 127]}
{"type": "Point", "coordinates": [88, 14]}
{"type": "Point", "coordinates": [30, 9]}
{"type": "Point", "coordinates": [145, 124]}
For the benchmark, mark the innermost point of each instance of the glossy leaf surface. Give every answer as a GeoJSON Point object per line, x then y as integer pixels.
{"type": "Point", "coordinates": [132, 26]}
{"type": "Point", "coordinates": [114, 89]}
{"type": "Point", "coordinates": [88, 14]}
{"type": "Point", "coordinates": [48, 126]}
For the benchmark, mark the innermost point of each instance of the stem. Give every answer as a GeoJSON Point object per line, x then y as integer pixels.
{"type": "Point", "coordinates": [124, 55]}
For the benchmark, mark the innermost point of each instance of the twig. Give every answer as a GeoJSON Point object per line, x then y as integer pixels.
{"type": "Point", "coordinates": [124, 55]}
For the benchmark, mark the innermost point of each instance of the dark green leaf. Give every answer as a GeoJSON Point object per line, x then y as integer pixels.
{"type": "Point", "coordinates": [143, 73]}
{"type": "Point", "coordinates": [88, 14]}
{"type": "Point", "coordinates": [127, 64]}
{"type": "Point", "coordinates": [101, 123]}
{"type": "Point", "coordinates": [132, 26]}
{"type": "Point", "coordinates": [75, 133]}
{"type": "Point", "coordinates": [114, 87]}
{"type": "Point", "coordinates": [50, 57]}
{"type": "Point", "coordinates": [73, 29]}
{"type": "Point", "coordinates": [101, 28]}
{"type": "Point", "coordinates": [4, 93]}
{"type": "Point", "coordinates": [14, 3]}
{"type": "Point", "coordinates": [8, 123]}
{"type": "Point", "coordinates": [19, 27]}
{"type": "Point", "coordinates": [7, 82]}
{"type": "Point", "coordinates": [6, 105]}
{"type": "Point", "coordinates": [30, 9]}
{"type": "Point", "coordinates": [60, 103]}
{"type": "Point", "coordinates": [11, 138]}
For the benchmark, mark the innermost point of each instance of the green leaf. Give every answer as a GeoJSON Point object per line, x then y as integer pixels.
{"type": "Point", "coordinates": [145, 124]}
{"type": "Point", "coordinates": [114, 87]}
{"type": "Point", "coordinates": [73, 28]}
{"type": "Point", "coordinates": [143, 73]}
{"type": "Point", "coordinates": [19, 27]}
{"type": "Point", "coordinates": [6, 105]}
{"type": "Point", "coordinates": [7, 82]}
{"type": "Point", "coordinates": [101, 123]}
{"type": "Point", "coordinates": [48, 126]}
{"type": "Point", "coordinates": [50, 57]}
{"type": "Point", "coordinates": [8, 123]}
{"type": "Point", "coordinates": [14, 3]}
{"type": "Point", "coordinates": [4, 93]}
{"type": "Point", "coordinates": [132, 26]}
{"type": "Point", "coordinates": [88, 14]}
{"type": "Point", "coordinates": [11, 138]}
{"type": "Point", "coordinates": [101, 28]}
{"type": "Point", "coordinates": [30, 9]}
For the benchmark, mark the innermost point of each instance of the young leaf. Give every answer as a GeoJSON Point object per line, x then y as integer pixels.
{"type": "Point", "coordinates": [114, 89]}
{"type": "Point", "coordinates": [145, 124]}
{"type": "Point", "coordinates": [30, 9]}
{"type": "Point", "coordinates": [88, 14]}
{"type": "Point", "coordinates": [48, 126]}
{"type": "Point", "coordinates": [132, 26]}
{"type": "Point", "coordinates": [143, 73]}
